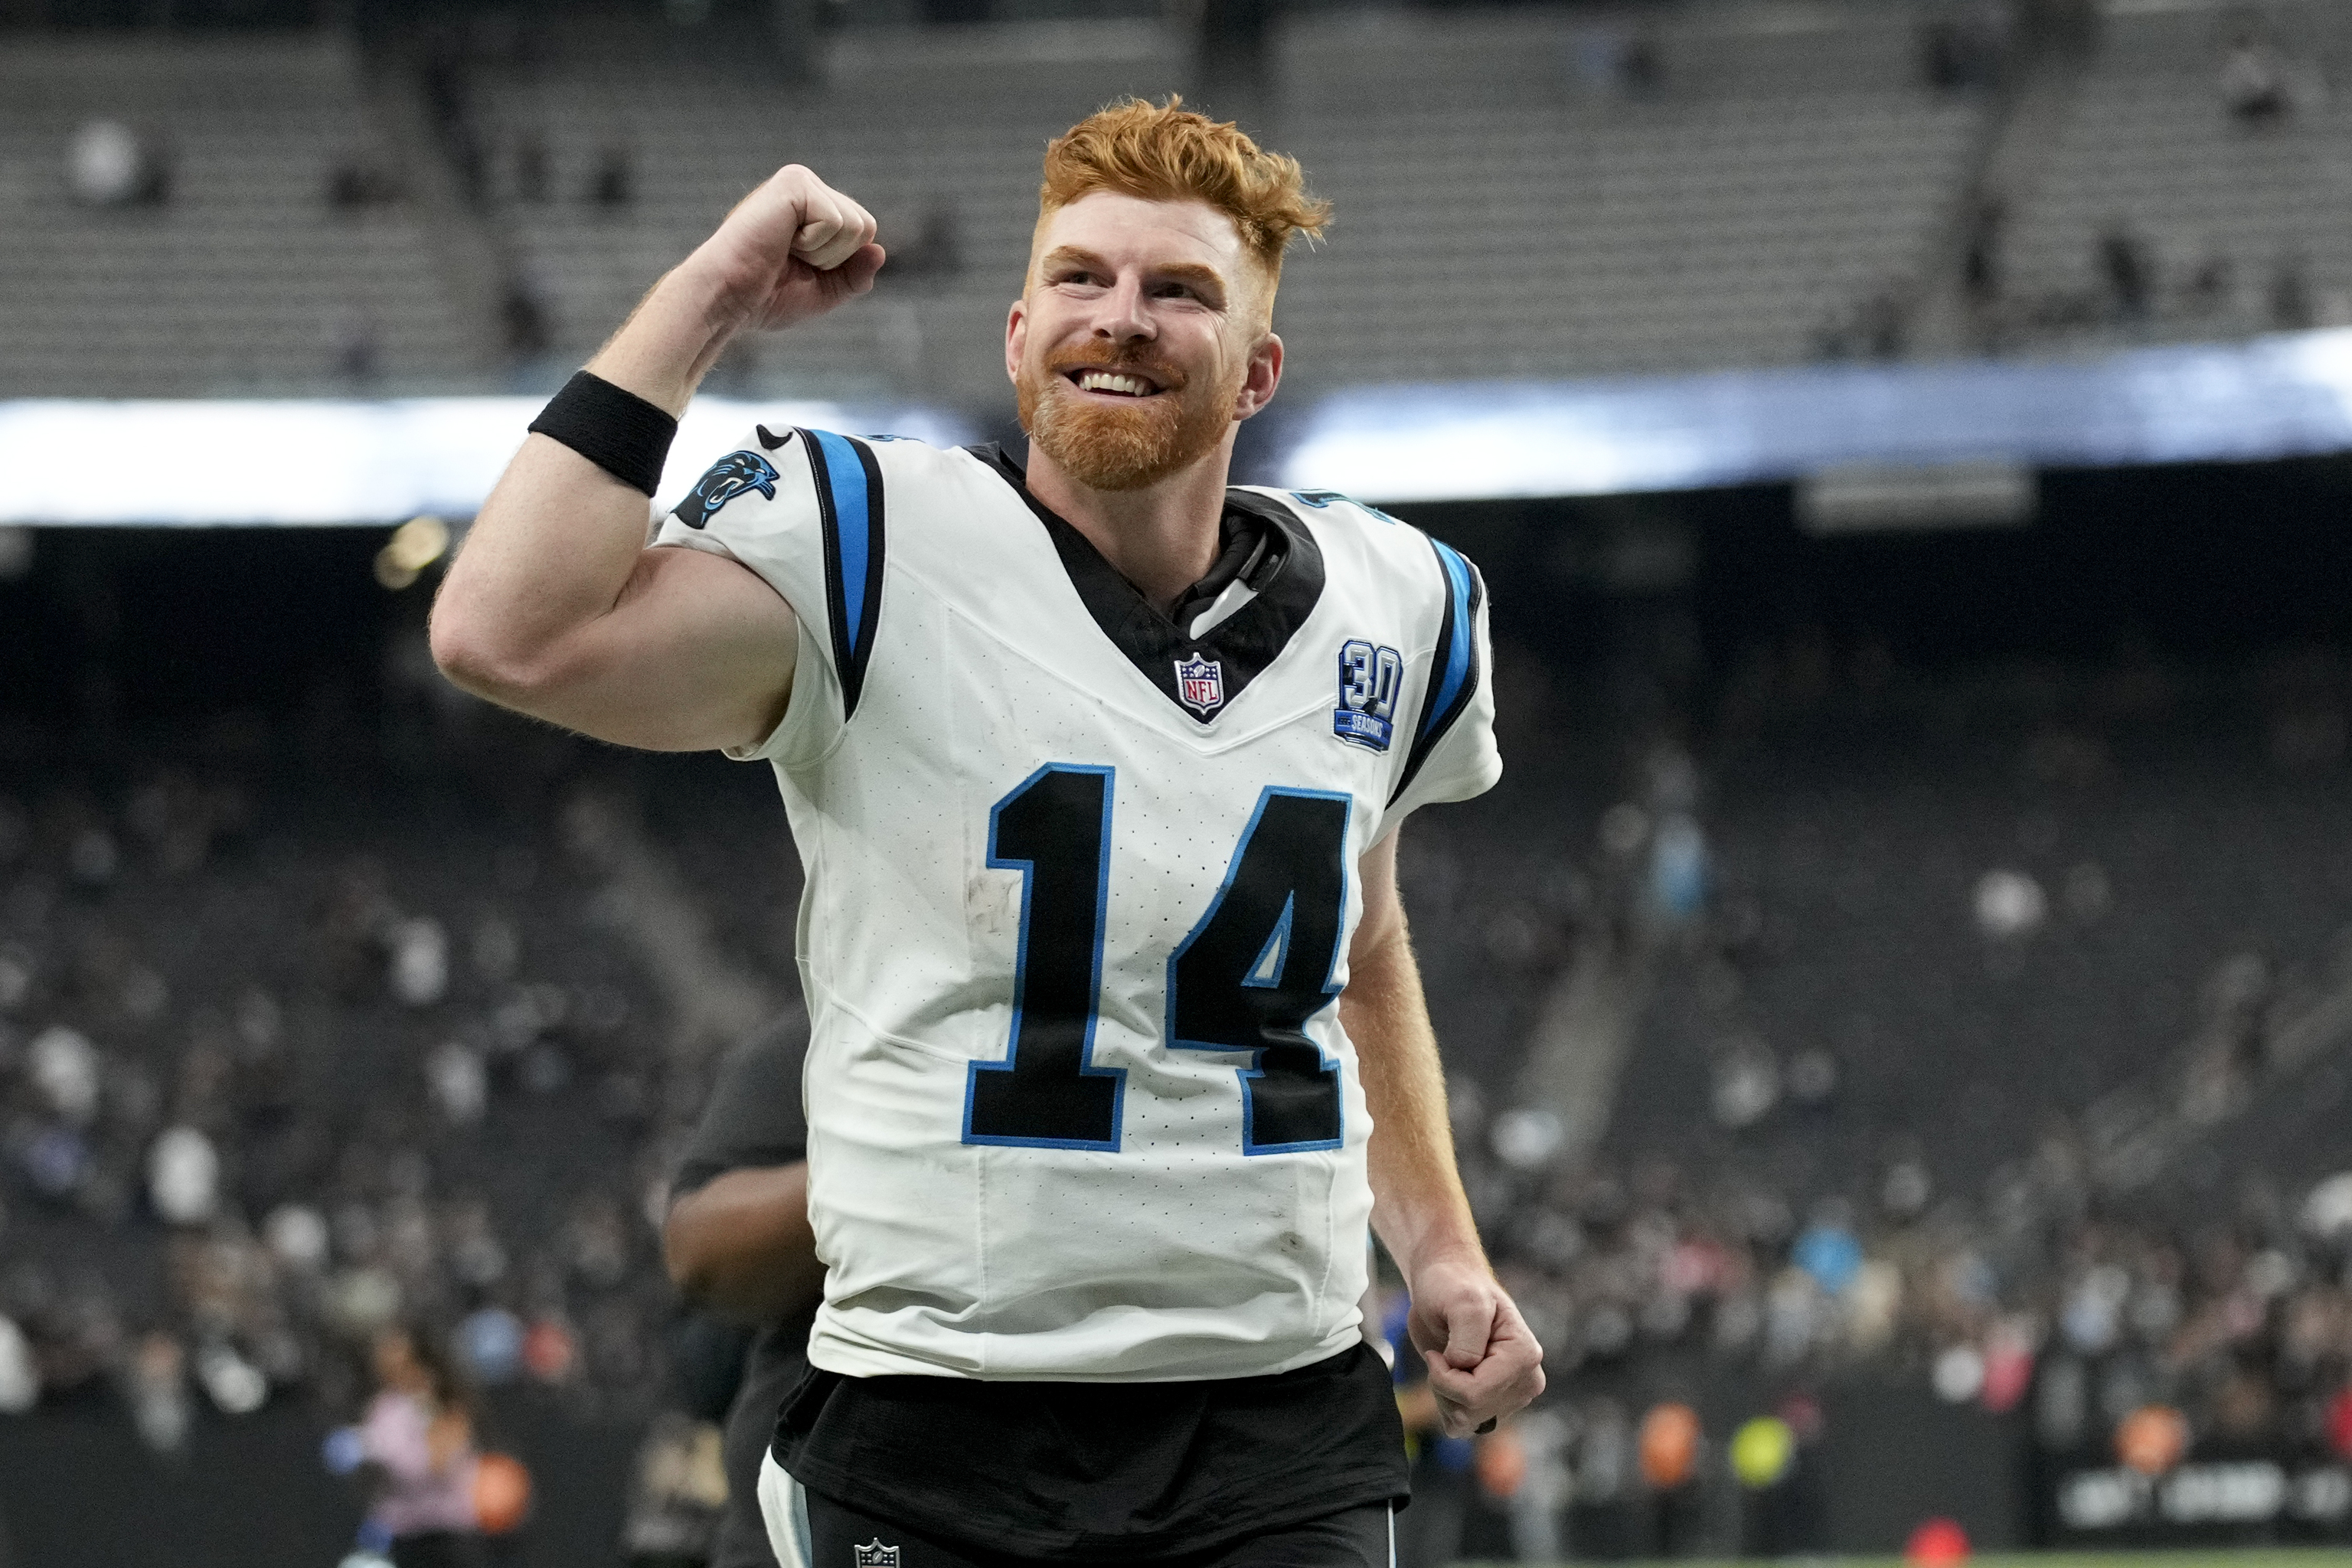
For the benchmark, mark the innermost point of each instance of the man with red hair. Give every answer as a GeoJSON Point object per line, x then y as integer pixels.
{"type": "Point", "coordinates": [1096, 767]}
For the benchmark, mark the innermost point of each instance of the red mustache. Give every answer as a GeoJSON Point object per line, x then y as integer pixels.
{"type": "Point", "coordinates": [1158, 371]}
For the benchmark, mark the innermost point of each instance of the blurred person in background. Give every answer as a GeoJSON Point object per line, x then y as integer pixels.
{"type": "Point", "coordinates": [417, 1445]}
{"type": "Point", "coordinates": [936, 250]}
{"type": "Point", "coordinates": [738, 1246]}
{"type": "Point", "coordinates": [2290, 302]}
{"type": "Point", "coordinates": [108, 164]}
{"type": "Point", "coordinates": [523, 313]}
{"type": "Point", "coordinates": [613, 184]}
{"type": "Point", "coordinates": [2129, 271]}
{"type": "Point", "coordinates": [678, 1500]}
{"type": "Point", "coordinates": [155, 1383]}
{"type": "Point", "coordinates": [2254, 82]}
{"type": "Point", "coordinates": [531, 167]}
{"type": "Point", "coordinates": [1980, 270]}
{"type": "Point", "coordinates": [355, 348]}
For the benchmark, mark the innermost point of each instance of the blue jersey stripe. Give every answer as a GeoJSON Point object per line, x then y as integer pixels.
{"type": "Point", "coordinates": [846, 477]}
{"type": "Point", "coordinates": [1453, 678]}
{"type": "Point", "coordinates": [849, 499]}
{"type": "Point", "coordinates": [1456, 669]}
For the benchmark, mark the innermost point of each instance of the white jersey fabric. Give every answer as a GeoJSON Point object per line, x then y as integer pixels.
{"type": "Point", "coordinates": [1080, 883]}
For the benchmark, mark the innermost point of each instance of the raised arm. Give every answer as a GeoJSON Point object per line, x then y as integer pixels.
{"type": "Point", "coordinates": [556, 608]}
{"type": "Point", "coordinates": [1483, 1361]}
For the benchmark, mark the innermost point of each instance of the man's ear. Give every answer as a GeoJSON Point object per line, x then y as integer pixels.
{"type": "Point", "coordinates": [1016, 334]}
{"type": "Point", "coordinates": [1264, 373]}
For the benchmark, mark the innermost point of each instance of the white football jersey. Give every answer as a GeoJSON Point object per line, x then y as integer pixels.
{"type": "Point", "coordinates": [1080, 887]}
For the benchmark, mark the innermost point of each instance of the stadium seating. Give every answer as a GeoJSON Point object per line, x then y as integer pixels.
{"type": "Point", "coordinates": [1512, 199]}
{"type": "Point", "coordinates": [242, 281]}
{"type": "Point", "coordinates": [1500, 215]}
{"type": "Point", "coordinates": [911, 125]}
{"type": "Point", "coordinates": [1775, 176]}
{"type": "Point", "coordinates": [1773, 181]}
{"type": "Point", "coordinates": [2150, 148]}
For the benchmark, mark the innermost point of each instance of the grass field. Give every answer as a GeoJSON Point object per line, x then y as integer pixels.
{"type": "Point", "coordinates": [2218, 1557]}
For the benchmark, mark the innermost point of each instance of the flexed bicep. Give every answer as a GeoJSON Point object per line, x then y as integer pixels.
{"type": "Point", "coordinates": [698, 653]}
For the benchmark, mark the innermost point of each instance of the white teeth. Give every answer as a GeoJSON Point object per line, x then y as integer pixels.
{"type": "Point", "coordinates": [1105, 380]}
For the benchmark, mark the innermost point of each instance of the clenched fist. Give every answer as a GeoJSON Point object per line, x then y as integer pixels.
{"type": "Point", "coordinates": [792, 250]}
{"type": "Point", "coordinates": [1484, 1363]}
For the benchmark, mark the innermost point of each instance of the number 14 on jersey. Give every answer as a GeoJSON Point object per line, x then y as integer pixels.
{"type": "Point", "coordinates": [1257, 966]}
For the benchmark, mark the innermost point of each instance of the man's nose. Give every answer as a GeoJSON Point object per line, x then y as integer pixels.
{"type": "Point", "coordinates": [1123, 318]}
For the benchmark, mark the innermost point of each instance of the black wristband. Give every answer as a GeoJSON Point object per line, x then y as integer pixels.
{"type": "Point", "coordinates": [618, 431]}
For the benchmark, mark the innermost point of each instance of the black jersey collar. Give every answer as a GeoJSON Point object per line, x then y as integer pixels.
{"type": "Point", "coordinates": [1262, 545]}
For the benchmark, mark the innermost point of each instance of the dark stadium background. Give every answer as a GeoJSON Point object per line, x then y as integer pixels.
{"type": "Point", "coordinates": [1913, 900]}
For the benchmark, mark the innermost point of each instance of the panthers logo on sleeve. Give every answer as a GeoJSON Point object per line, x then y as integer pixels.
{"type": "Point", "coordinates": [735, 474]}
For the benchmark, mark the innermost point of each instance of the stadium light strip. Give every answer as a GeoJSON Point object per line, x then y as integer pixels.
{"type": "Point", "coordinates": [2285, 396]}
{"type": "Point", "coordinates": [72, 461]}
{"type": "Point", "coordinates": [311, 461]}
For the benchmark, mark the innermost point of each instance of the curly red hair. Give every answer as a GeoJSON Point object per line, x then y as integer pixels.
{"type": "Point", "coordinates": [1164, 152]}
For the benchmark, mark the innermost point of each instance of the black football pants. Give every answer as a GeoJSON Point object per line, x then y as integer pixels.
{"type": "Point", "coordinates": [1360, 1537]}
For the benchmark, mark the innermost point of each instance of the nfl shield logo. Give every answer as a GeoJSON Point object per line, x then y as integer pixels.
{"type": "Point", "coordinates": [1201, 683]}
{"type": "Point", "coordinates": [874, 1554]}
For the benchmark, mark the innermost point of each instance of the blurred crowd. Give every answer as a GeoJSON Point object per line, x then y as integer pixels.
{"type": "Point", "coordinates": [1959, 1071]}
{"type": "Point", "coordinates": [1696, 1332]}
{"type": "Point", "coordinates": [290, 1065]}
{"type": "Point", "coordinates": [2025, 1297]}
{"type": "Point", "coordinates": [269, 1089]}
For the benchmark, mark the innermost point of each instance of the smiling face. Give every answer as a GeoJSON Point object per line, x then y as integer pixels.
{"type": "Point", "coordinates": [1141, 339]}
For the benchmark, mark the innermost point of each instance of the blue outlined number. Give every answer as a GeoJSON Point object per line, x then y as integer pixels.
{"type": "Point", "coordinates": [1054, 829]}
{"type": "Point", "coordinates": [1369, 679]}
{"type": "Point", "coordinates": [1260, 964]}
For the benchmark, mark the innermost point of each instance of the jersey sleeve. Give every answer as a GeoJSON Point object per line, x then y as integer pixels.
{"type": "Point", "coordinates": [803, 509]}
{"type": "Point", "coordinates": [1453, 754]}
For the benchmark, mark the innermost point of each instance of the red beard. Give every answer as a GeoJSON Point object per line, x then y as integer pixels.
{"type": "Point", "coordinates": [1108, 446]}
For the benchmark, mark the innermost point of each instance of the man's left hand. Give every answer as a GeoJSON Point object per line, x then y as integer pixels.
{"type": "Point", "coordinates": [1484, 1365]}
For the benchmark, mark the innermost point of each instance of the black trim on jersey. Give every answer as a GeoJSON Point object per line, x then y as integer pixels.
{"type": "Point", "coordinates": [1264, 545]}
{"type": "Point", "coordinates": [1459, 627]}
{"type": "Point", "coordinates": [851, 652]}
